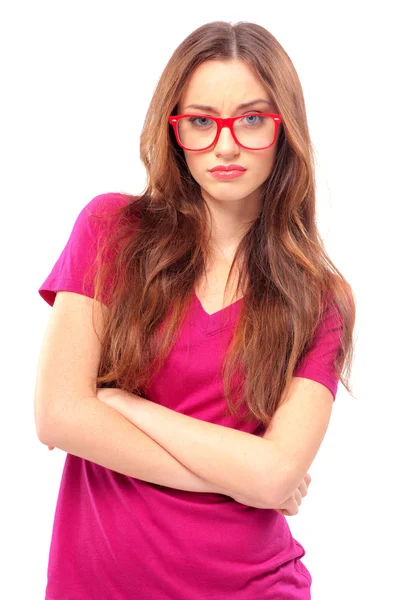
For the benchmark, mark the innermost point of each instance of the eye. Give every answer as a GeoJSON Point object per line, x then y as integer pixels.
{"type": "Point", "coordinates": [194, 119]}
{"type": "Point", "coordinates": [254, 122]}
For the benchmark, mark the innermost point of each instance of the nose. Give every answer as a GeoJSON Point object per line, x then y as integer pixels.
{"type": "Point", "coordinates": [226, 144]}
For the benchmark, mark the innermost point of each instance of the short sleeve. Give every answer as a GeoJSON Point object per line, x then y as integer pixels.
{"type": "Point", "coordinates": [73, 270]}
{"type": "Point", "coordinates": [317, 363]}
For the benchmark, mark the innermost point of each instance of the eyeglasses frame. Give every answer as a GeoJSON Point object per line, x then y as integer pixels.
{"type": "Point", "coordinates": [225, 122]}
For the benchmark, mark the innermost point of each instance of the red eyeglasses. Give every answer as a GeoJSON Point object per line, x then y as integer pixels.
{"type": "Point", "coordinates": [253, 135]}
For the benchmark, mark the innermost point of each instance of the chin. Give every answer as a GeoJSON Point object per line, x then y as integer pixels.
{"type": "Point", "coordinates": [229, 195]}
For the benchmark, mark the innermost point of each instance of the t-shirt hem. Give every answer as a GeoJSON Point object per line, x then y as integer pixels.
{"type": "Point", "coordinates": [59, 284]}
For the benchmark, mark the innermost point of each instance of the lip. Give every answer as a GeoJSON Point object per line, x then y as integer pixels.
{"type": "Point", "coordinates": [227, 174]}
{"type": "Point", "coordinates": [227, 168]}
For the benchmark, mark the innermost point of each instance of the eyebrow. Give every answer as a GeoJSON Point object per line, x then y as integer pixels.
{"type": "Point", "coordinates": [239, 107]}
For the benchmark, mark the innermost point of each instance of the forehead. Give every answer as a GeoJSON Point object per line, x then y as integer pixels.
{"type": "Point", "coordinates": [224, 83]}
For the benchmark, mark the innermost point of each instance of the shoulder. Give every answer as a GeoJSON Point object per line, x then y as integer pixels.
{"type": "Point", "coordinates": [107, 204]}
{"type": "Point", "coordinates": [101, 214]}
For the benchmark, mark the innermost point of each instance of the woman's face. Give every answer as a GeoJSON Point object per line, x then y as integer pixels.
{"type": "Point", "coordinates": [224, 85]}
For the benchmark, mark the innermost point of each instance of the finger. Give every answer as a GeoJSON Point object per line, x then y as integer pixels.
{"type": "Point", "coordinates": [303, 489]}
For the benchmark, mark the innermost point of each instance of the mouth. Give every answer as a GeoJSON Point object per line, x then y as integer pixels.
{"type": "Point", "coordinates": [232, 174]}
{"type": "Point", "coordinates": [227, 168]}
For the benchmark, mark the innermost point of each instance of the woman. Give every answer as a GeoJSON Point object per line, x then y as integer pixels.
{"type": "Point", "coordinates": [176, 483]}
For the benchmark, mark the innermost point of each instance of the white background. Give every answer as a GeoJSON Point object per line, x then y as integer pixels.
{"type": "Point", "coordinates": [76, 80]}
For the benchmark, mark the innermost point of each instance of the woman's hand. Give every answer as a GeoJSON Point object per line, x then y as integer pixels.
{"type": "Point", "coordinates": [290, 506]}
{"type": "Point", "coordinates": [248, 501]}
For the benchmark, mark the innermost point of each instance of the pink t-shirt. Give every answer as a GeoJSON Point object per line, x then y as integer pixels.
{"type": "Point", "coordinates": [116, 537]}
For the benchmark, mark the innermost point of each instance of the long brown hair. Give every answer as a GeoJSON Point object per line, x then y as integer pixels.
{"type": "Point", "coordinates": [289, 280]}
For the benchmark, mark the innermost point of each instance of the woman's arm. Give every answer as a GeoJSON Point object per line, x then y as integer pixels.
{"type": "Point", "coordinates": [234, 460]}
{"type": "Point", "coordinates": [96, 432]}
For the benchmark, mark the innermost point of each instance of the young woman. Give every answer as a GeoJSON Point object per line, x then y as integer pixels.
{"type": "Point", "coordinates": [196, 341]}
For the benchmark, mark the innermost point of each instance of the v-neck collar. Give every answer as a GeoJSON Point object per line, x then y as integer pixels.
{"type": "Point", "coordinates": [217, 321]}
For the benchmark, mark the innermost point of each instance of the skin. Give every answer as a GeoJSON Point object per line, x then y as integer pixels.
{"type": "Point", "coordinates": [233, 203]}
